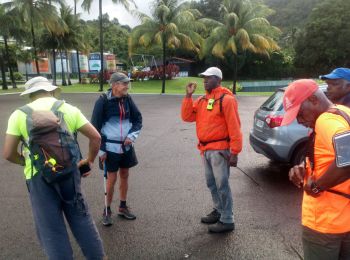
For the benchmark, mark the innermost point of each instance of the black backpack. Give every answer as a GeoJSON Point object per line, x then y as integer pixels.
{"type": "Point", "coordinates": [54, 151]}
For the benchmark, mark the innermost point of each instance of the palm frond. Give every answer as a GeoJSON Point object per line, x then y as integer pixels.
{"type": "Point", "coordinates": [171, 29]}
{"type": "Point", "coordinates": [231, 20]}
{"type": "Point", "coordinates": [231, 45]}
{"type": "Point", "coordinates": [219, 50]}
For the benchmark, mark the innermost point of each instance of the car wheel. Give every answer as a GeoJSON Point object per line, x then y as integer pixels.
{"type": "Point", "coordinates": [299, 155]}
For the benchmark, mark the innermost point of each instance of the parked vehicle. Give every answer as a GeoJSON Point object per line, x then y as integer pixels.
{"type": "Point", "coordinates": [276, 142]}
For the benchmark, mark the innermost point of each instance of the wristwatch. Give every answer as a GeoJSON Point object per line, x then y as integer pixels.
{"type": "Point", "coordinates": [315, 189]}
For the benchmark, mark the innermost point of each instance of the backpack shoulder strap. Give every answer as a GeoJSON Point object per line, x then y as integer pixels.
{"type": "Point", "coordinates": [105, 101]}
{"type": "Point", "coordinates": [202, 98]}
{"type": "Point", "coordinates": [129, 101]}
{"type": "Point", "coordinates": [29, 124]}
{"type": "Point", "coordinates": [339, 112]}
{"type": "Point", "coordinates": [54, 109]}
{"type": "Point", "coordinates": [29, 121]}
{"type": "Point", "coordinates": [104, 96]}
{"type": "Point", "coordinates": [26, 110]}
{"type": "Point", "coordinates": [57, 105]}
{"type": "Point", "coordinates": [221, 100]}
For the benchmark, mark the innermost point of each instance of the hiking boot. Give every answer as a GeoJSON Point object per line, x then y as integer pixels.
{"type": "Point", "coordinates": [125, 213]}
{"type": "Point", "coordinates": [220, 227]}
{"type": "Point", "coordinates": [107, 218]}
{"type": "Point", "coordinates": [211, 218]}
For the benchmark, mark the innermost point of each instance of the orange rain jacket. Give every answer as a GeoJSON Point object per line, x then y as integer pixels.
{"type": "Point", "coordinates": [216, 130]}
{"type": "Point", "coordinates": [328, 213]}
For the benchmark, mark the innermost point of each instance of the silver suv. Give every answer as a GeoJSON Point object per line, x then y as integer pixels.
{"type": "Point", "coordinates": [278, 143]}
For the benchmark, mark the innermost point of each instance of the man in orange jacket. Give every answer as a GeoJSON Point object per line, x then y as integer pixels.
{"type": "Point", "coordinates": [326, 184]}
{"type": "Point", "coordinates": [220, 140]}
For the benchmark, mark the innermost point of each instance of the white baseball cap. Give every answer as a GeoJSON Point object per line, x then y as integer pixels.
{"type": "Point", "coordinates": [38, 83]}
{"type": "Point", "coordinates": [212, 71]}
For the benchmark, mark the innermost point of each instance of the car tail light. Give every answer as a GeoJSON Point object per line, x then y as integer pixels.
{"type": "Point", "coordinates": [274, 120]}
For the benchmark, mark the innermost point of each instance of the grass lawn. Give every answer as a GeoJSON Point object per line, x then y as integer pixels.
{"type": "Point", "coordinates": [175, 86]}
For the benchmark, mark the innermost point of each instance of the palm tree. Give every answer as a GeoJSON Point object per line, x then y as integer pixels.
{"type": "Point", "coordinates": [64, 82]}
{"type": "Point", "coordinates": [36, 13]}
{"type": "Point", "coordinates": [7, 54]}
{"type": "Point", "coordinates": [25, 56]}
{"type": "Point", "coordinates": [78, 61]}
{"type": "Point", "coordinates": [3, 73]}
{"type": "Point", "coordinates": [10, 27]}
{"type": "Point", "coordinates": [171, 26]}
{"type": "Point", "coordinates": [244, 28]}
{"type": "Point", "coordinates": [86, 5]}
{"type": "Point", "coordinates": [49, 41]}
{"type": "Point", "coordinates": [73, 37]}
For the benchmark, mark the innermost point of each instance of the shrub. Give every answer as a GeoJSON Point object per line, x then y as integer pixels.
{"type": "Point", "coordinates": [18, 76]}
{"type": "Point", "coordinates": [171, 71]}
{"type": "Point", "coordinates": [239, 87]}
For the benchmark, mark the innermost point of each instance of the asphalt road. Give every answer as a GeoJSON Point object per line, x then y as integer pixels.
{"type": "Point", "coordinates": [168, 194]}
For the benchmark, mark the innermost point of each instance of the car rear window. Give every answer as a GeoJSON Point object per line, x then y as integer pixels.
{"type": "Point", "coordinates": [274, 103]}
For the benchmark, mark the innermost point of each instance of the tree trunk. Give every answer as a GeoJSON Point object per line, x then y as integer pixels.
{"type": "Point", "coordinates": [64, 83]}
{"type": "Point", "coordinates": [78, 61]}
{"type": "Point", "coordinates": [34, 47]}
{"type": "Point", "coordinates": [68, 72]}
{"type": "Point", "coordinates": [101, 46]}
{"type": "Point", "coordinates": [235, 75]}
{"type": "Point", "coordinates": [9, 63]}
{"type": "Point", "coordinates": [164, 56]}
{"type": "Point", "coordinates": [26, 66]}
{"type": "Point", "coordinates": [54, 66]}
{"type": "Point", "coordinates": [78, 65]}
{"type": "Point", "coordinates": [3, 73]}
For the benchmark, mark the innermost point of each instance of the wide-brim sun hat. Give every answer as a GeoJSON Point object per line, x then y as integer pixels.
{"type": "Point", "coordinates": [36, 84]}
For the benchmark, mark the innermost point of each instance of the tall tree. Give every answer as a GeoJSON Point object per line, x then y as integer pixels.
{"type": "Point", "coordinates": [72, 38]}
{"type": "Point", "coordinates": [49, 41]}
{"type": "Point", "coordinates": [25, 56]}
{"type": "Point", "coordinates": [245, 28]}
{"type": "Point", "coordinates": [36, 13]}
{"type": "Point", "coordinates": [64, 82]}
{"type": "Point", "coordinates": [10, 28]}
{"type": "Point", "coordinates": [209, 8]}
{"type": "Point", "coordinates": [171, 26]}
{"type": "Point", "coordinates": [324, 43]}
{"type": "Point", "coordinates": [3, 73]}
{"type": "Point", "coordinates": [115, 38]}
{"type": "Point", "coordinates": [86, 6]}
{"type": "Point", "coordinates": [77, 50]}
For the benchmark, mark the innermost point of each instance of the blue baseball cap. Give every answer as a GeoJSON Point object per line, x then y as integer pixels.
{"type": "Point", "coordinates": [338, 73]}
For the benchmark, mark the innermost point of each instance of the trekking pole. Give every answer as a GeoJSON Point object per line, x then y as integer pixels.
{"type": "Point", "coordinates": [251, 178]}
{"type": "Point", "coordinates": [105, 184]}
{"type": "Point", "coordinates": [246, 174]}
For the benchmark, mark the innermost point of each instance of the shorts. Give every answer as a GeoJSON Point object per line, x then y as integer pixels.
{"type": "Point", "coordinates": [126, 160]}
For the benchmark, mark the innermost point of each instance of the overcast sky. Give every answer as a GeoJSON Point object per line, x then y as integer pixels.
{"type": "Point", "coordinates": [114, 11]}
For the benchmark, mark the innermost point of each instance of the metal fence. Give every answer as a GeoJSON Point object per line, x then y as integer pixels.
{"type": "Point", "coordinates": [263, 86]}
